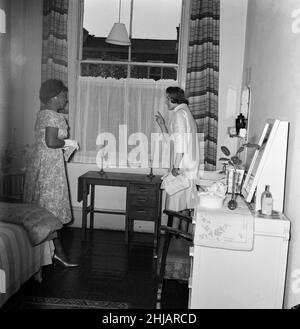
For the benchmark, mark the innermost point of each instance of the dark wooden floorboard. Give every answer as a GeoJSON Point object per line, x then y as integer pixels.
{"type": "Point", "coordinates": [109, 271]}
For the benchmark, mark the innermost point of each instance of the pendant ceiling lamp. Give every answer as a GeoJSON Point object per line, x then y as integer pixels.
{"type": "Point", "coordinates": [118, 34]}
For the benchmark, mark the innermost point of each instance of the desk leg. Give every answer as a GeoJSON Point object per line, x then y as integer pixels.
{"type": "Point", "coordinates": [126, 228]}
{"type": "Point", "coordinates": [131, 227]}
{"type": "Point", "coordinates": [156, 236]}
{"type": "Point", "coordinates": [92, 206]}
{"type": "Point", "coordinates": [157, 226]}
{"type": "Point", "coordinates": [127, 218]}
{"type": "Point", "coordinates": [84, 206]}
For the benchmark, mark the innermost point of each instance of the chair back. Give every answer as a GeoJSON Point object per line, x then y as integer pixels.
{"type": "Point", "coordinates": [12, 187]}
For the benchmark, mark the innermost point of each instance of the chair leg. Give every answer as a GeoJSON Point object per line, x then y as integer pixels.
{"type": "Point", "coordinates": [158, 295]}
{"type": "Point", "coordinates": [162, 270]}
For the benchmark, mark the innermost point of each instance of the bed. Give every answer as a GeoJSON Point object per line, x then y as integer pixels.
{"type": "Point", "coordinates": [25, 244]}
{"type": "Point", "coordinates": [19, 260]}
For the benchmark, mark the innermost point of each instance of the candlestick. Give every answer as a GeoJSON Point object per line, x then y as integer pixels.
{"type": "Point", "coordinates": [151, 170]}
{"type": "Point", "coordinates": [101, 172]}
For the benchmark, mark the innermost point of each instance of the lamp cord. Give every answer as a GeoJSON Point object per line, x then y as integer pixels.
{"type": "Point", "coordinates": [119, 11]}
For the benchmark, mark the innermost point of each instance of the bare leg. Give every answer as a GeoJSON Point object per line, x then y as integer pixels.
{"type": "Point", "coordinates": [59, 250]}
{"type": "Point", "coordinates": [60, 254]}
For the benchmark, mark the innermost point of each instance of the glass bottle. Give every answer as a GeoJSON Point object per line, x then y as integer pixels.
{"type": "Point", "coordinates": [240, 122]}
{"type": "Point", "coordinates": [267, 202]}
{"type": "Point", "coordinates": [232, 204]}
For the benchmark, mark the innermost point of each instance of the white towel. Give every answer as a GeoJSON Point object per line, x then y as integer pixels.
{"type": "Point", "coordinates": [224, 229]}
{"type": "Point", "coordinates": [173, 184]}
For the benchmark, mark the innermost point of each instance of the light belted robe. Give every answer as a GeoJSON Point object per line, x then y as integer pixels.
{"type": "Point", "coordinates": [183, 131]}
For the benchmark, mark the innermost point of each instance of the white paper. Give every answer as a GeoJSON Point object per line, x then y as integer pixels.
{"type": "Point", "coordinates": [68, 151]}
{"type": "Point", "coordinates": [173, 184]}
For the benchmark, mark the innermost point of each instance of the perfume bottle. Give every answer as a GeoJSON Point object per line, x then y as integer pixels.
{"type": "Point", "coordinates": [240, 122]}
{"type": "Point", "coordinates": [267, 202]}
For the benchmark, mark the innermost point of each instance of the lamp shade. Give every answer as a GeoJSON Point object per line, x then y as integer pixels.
{"type": "Point", "coordinates": [118, 35]}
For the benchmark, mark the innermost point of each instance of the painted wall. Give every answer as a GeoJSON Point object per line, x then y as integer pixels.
{"type": "Point", "coordinates": [20, 74]}
{"type": "Point", "coordinates": [4, 76]}
{"type": "Point", "coordinates": [26, 54]}
{"type": "Point", "coordinates": [272, 58]}
{"type": "Point", "coordinates": [232, 45]}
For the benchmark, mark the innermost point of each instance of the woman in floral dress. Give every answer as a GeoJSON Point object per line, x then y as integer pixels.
{"type": "Point", "coordinates": [46, 182]}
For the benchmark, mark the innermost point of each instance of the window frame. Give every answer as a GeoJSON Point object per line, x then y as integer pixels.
{"type": "Point", "coordinates": [180, 66]}
{"type": "Point", "coordinates": [75, 36]}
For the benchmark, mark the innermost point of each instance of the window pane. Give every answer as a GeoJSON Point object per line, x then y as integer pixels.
{"type": "Point", "coordinates": [155, 73]}
{"type": "Point", "coordinates": [156, 19]}
{"type": "Point", "coordinates": [155, 25]}
{"type": "Point", "coordinates": [119, 71]}
{"type": "Point", "coordinates": [104, 70]}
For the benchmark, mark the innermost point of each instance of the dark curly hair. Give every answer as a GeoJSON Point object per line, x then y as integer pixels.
{"type": "Point", "coordinates": [177, 95]}
{"type": "Point", "coordinates": [51, 88]}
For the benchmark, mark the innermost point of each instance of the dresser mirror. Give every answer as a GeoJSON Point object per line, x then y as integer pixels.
{"type": "Point", "coordinates": [268, 165]}
{"type": "Point", "coordinates": [257, 162]}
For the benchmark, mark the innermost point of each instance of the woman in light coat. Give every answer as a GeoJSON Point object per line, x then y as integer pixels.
{"type": "Point", "coordinates": [185, 158]}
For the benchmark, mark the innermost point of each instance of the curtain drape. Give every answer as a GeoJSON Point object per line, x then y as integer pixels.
{"type": "Point", "coordinates": [105, 104]}
{"type": "Point", "coordinates": [75, 12]}
{"type": "Point", "coordinates": [55, 48]}
{"type": "Point", "coordinates": [203, 73]}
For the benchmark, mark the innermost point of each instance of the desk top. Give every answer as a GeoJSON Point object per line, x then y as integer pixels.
{"type": "Point", "coordinates": [115, 179]}
{"type": "Point", "coordinates": [129, 177]}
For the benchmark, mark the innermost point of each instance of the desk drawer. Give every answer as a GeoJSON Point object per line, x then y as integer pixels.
{"type": "Point", "coordinates": [142, 189]}
{"type": "Point", "coordinates": [148, 200]}
{"type": "Point", "coordinates": [142, 213]}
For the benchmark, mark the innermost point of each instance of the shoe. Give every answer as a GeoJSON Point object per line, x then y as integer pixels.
{"type": "Point", "coordinates": [63, 263]}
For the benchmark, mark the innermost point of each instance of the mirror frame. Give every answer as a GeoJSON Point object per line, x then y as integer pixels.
{"type": "Point", "coordinates": [268, 131]}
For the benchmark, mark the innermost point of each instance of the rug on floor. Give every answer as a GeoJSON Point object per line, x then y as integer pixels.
{"type": "Point", "coordinates": [35, 302]}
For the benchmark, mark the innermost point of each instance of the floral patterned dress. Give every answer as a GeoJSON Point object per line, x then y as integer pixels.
{"type": "Point", "coordinates": [46, 182]}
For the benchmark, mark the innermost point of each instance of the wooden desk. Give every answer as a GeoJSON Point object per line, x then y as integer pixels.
{"type": "Point", "coordinates": [143, 199]}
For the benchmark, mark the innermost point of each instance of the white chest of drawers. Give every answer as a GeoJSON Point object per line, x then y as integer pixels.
{"type": "Point", "coordinates": [223, 278]}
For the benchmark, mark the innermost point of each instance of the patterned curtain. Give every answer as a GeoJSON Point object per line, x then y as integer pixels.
{"type": "Point", "coordinates": [203, 73]}
{"type": "Point", "coordinates": [55, 47]}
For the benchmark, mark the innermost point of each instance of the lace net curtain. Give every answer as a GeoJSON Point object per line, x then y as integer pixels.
{"type": "Point", "coordinates": [105, 104]}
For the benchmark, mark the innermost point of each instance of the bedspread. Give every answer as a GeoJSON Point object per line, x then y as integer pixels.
{"type": "Point", "coordinates": [19, 260]}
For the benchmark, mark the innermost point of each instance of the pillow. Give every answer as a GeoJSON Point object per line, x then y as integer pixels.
{"type": "Point", "coordinates": [38, 222]}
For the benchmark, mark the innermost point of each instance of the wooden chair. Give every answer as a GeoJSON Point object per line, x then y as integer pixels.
{"type": "Point", "coordinates": [173, 256]}
{"type": "Point", "coordinates": [12, 187]}
{"type": "Point", "coordinates": [174, 261]}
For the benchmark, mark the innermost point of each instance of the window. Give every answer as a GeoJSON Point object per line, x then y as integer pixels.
{"type": "Point", "coordinates": [154, 30]}
{"type": "Point", "coordinates": [121, 88]}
